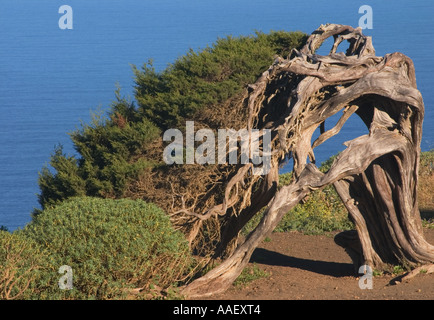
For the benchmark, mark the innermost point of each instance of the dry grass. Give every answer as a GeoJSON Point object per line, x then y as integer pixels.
{"type": "Point", "coordinates": [426, 187]}
{"type": "Point", "coordinates": [426, 192]}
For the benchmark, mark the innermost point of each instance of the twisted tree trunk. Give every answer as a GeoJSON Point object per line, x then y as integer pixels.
{"type": "Point", "coordinates": [375, 176]}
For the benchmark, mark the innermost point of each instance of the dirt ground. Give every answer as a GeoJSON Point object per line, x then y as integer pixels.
{"type": "Point", "coordinates": [313, 267]}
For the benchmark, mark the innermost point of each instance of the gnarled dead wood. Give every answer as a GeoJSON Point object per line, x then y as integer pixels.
{"type": "Point", "coordinates": [375, 176]}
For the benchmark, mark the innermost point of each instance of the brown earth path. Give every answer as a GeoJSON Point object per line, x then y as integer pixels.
{"type": "Point", "coordinates": [313, 267]}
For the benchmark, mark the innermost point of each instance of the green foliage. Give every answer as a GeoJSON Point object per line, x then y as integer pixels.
{"type": "Point", "coordinates": [115, 150]}
{"type": "Point", "coordinates": [209, 77]}
{"type": "Point", "coordinates": [107, 151]}
{"type": "Point", "coordinates": [111, 155]}
{"type": "Point", "coordinates": [111, 246]}
{"type": "Point", "coordinates": [66, 183]}
{"type": "Point", "coordinates": [398, 269]}
{"type": "Point", "coordinates": [326, 165]}
{"type": "Point", "coordinates": [321, 211]}
{"type": "Point", "coordinates": [427, 163]}
{"type": "Point", "coordinates": [22, 263]}
{"type": "Point", "coordinates": [426, 185]}
{"type": "Point", "coordinates": [249, 274]}
{"type": "Point", "coordinates": [285, 179]}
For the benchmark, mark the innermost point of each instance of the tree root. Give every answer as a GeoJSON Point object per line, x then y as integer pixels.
{"type": "Point", "coordinates": [425, 269]}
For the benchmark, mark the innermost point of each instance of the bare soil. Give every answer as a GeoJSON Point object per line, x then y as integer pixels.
{"type": "Point", "coordinates": [313, 267]}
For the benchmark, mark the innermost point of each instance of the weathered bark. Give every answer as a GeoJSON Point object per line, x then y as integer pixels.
{"type": "Point", "coordinates": [375, 176]}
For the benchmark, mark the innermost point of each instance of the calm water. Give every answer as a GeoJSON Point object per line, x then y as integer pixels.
{"type": "Point", "coordinates": [50, 79]}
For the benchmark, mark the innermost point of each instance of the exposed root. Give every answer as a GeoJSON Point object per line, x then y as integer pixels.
{"type": "Point", "coordinates": [425, 269]}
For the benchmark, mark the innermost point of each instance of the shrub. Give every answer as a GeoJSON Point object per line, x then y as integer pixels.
{"type": "Point", "coordinates": [209, 77]}
{"type": "Point", "coordinates": [426, 184]}
{"type": "Point", "coordinates": [111, 157]}
{"type": "Point", "coordinates": [21, 263]}
{"type": "Point", "coordinates": [111, 245]}
{"type": "Point", "coordinates": [321, 211]}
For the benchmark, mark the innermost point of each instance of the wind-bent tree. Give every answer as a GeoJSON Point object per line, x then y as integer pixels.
{"type": "Point", "coordinates": [375, 176]}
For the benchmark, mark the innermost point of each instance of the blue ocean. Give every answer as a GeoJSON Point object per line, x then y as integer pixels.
{"type": "Point", "coordinates": [52, 79]}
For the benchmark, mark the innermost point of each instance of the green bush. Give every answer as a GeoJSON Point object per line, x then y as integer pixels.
{"type": "Point", "coordinates": [22, 263]}
{"type": "Point", "coordinates": [209, 77]}
{"type": "Point", "coordinates": [111, 245]}
{"type": "Point", "coordinates": [111, 152]}
{"type": "Point", "coordinates": [321, 211]}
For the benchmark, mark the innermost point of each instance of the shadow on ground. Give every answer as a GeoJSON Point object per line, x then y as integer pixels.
{"type": "Point", "coordinates": [334, 269]}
